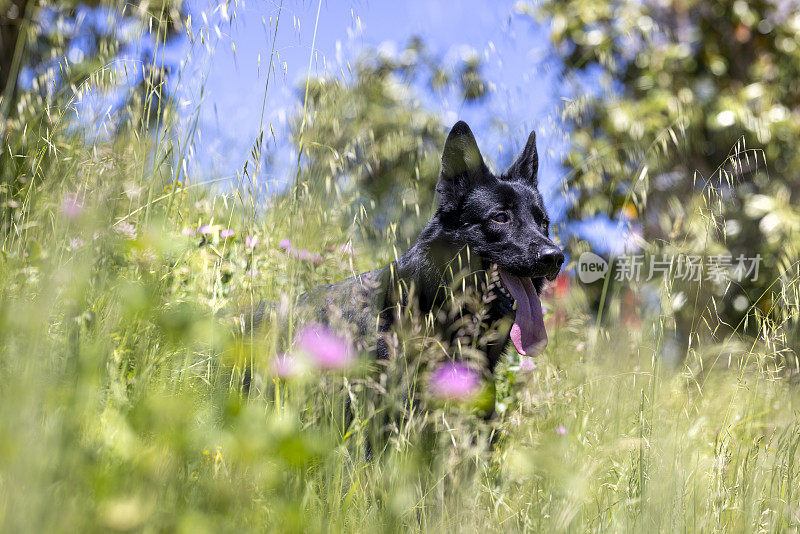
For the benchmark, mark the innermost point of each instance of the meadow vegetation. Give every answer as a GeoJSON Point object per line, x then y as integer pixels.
{"type": "Point", "coordinates": [122, 405]}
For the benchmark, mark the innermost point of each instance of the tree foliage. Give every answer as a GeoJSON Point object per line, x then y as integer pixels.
{"type": "Point", "coordinates": [372, 136]}
{"type": "Point", "coordinates": [688, 109]}
{"type": "Point", "coordinates": [51, 54]}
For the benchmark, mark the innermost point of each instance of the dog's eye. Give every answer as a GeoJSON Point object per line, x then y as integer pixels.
{"type": "Point", "coordinates": [501, 218]}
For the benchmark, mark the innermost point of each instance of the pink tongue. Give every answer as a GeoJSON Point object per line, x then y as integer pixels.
{"type": "Point", "coordinates": [527, 333]}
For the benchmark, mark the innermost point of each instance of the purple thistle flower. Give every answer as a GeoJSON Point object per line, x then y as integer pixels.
{"type": "Point", "coordinates": [206, 229]}
{"type": "Point", "coordinates": [454, 380]}
{"type": "Point", "coordinates": [325, 349]}
{"type": "Point", "coordinates": [285, 244]}
{"type": "Point", "coordinates": [189, 232]}
{"type": "Point", "coordinates": [303, 254]}
{"type": "Point", "coordinates": [527, 365]}
{"type": "Point", "coordinates": [226, 233]}
{"type": "Point", "coordinates": [250, 242]}
{"type": "Point", "coordinates": [285, 366]}
{"type": "Point", "coordinates": [72, 206]}
{"type": "Point", "coordinates": [317, 259]}
{"type": "Point", "coordinates": [560, 430]}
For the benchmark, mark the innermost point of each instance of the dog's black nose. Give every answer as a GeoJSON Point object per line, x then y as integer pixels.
{"type": "Point", "coordinates": [551, 259]}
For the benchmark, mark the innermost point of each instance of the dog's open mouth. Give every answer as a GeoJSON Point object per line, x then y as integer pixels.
{"type": "Point", "coordinates": [518, 293]}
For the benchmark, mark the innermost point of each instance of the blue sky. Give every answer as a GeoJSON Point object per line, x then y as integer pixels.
{"type": "Point", "coordinates": [525, 87]}
{"type": "Point", "coordinates": [220, 80]}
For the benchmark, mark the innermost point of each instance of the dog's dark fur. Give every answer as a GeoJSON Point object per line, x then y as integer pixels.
{"type": "Point", "coordinates": [481, 220]}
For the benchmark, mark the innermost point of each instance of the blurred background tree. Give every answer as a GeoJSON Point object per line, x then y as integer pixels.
{"type": "Point", "coordinates": [667, 91]}
{"type": "Point", "coordinates": [48, 49]}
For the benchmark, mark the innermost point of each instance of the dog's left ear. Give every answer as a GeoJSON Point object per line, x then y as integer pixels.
{"type": "Point", "coordinates": [526, 167]}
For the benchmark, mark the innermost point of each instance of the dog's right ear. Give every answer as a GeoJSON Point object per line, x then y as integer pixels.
{"type": "Point", "coordinates": [461, 162]}
{"type": "Point", "coordinates": [526, 166]}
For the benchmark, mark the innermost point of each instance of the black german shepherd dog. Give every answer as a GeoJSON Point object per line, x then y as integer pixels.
{"type": "Point", "coordinates": [494, 228]}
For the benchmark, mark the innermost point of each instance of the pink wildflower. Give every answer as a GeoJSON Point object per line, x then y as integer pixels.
{"type": "Point", "coordinates": [75, 243]}
{"type": "Point", "coordinates": [126, 230]}
{"type": "Point", "coordinates": [325, 349]}
{"type": "Point", "coordinates": [454, 380]}
{"type": "Point", "coordinates": [285, 366]}
{"type": "Point", "coordinates": [72, 206]}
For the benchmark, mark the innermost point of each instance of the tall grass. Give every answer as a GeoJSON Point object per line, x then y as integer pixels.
{"type": "Point", "coordinates": [122, 409]}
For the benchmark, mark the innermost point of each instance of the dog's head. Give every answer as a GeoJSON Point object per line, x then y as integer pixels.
{"type": "Point", "coordinates": [502, 220]}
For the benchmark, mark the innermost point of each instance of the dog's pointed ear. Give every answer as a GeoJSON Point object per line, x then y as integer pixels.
{"type": "Point", "coordinates": [526, 167]}
{"type": "Point", "coordinates": [461, 154]}
{"type": "Point", "coordinates": [461, 162]}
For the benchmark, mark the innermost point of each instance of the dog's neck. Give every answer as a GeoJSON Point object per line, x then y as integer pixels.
{"type": "Point", "coordinates": [426, 267]}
